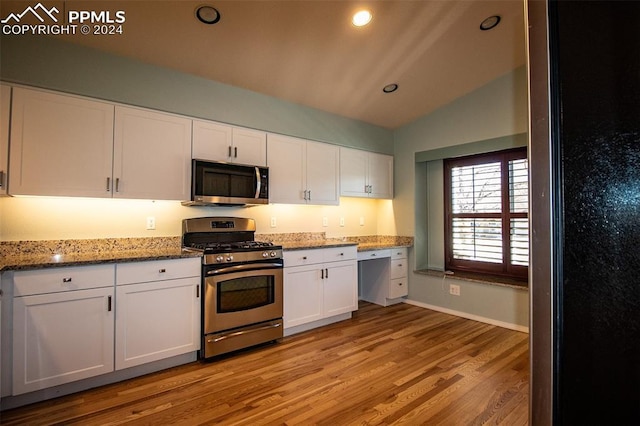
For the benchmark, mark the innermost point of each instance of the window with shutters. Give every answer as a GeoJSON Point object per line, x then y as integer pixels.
{"type": "Point", "coordinates": [486, 213]}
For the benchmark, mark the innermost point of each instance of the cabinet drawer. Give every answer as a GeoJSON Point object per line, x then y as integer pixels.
{"type": "Point", "coordinates": [373, 254]}
{"type": "Point", "coordinates": [399, 253]}
{"type": "Point", "coordinates": [398, 288]}
{"type": "Point", "coordinates": [157, 270]}
{"type": "Point", "coordinates": [336, 254]}
{"type": "Point", "coordinates": [398, 268]}
{"type": "Point", "coordinates": [53, 280]}
{"type": "Point", "coordinates": [302, 257]}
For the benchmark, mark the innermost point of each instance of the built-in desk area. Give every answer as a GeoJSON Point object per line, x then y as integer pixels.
{"type": "Point", "coordinates": [382, 276]}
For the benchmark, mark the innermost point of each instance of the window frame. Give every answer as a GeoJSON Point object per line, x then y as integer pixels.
{"type": "Point", "coordinates": [505, 268]}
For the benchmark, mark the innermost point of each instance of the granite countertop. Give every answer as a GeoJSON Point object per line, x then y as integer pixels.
{"type": "Point", "coordinates": [311, 240]}
{"type": "Point", "coordinates": [23, 255]}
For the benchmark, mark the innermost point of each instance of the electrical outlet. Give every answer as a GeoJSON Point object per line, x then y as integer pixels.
{"type": "Point", "coordinates": [151, 223]}
{"type": "Point", "coordinates": [342, 221]}
{"type": "Point", "coordinates": [454, 289]}
{"type": "Point", "coordinates": [273, 221]}
{"type": "Point", "coordinates": [361, 220]}
{"type": "Point", "coordinates": [325, 221]}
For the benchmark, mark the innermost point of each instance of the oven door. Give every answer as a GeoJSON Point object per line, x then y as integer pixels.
{"type": "Point", "coordinates": [241, 295]}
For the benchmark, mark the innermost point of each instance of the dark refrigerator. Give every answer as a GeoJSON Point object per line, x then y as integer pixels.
{"type": "Point", "coordinates": [585, 216]}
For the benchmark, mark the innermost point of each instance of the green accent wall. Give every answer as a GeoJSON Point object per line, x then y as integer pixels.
{"type": "Point", "coordinates": [62, 66]}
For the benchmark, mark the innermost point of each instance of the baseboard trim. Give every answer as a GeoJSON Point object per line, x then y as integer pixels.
{"type": "Point", "coordinates": [510, 326]}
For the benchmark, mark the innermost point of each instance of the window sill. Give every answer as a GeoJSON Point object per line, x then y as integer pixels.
{"type": "Point", "coordinates": [478, 278]}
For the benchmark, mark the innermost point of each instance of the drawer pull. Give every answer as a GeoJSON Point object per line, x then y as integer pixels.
{"type": "Point", "coordinates": [341, 254]}
{"type": "Point", "coordinates": [373, 255]}
{"type": "Point", "coordinates": [66, 280]}
{"type": "Point", "coordinates": [399, 265]}
{"type": "Point", "coordinates": [162, 271]}
{"type": "Point", "coordinates": [109, 304]}
{"type": "Point", "coordinates": [399, 284]}
{"type": "Point", "coordinates": [304, 257]}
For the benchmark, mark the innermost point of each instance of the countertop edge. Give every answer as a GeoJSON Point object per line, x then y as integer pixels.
{"type": "Point", "coordinates": [39, 263]}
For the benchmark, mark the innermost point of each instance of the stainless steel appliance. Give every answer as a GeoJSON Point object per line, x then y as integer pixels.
{"type": "Point", "coordinates": [241, 283]}
{"type": "Point", "coordinates": [218, 183]}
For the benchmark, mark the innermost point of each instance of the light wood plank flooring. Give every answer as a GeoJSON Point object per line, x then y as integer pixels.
{"type": "Point", "coordinates": [396, 365]}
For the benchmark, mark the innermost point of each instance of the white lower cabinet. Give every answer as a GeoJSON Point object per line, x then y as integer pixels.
{"type": "Point", "coordinates": [73, 323]}
{"type": "Point", "coordinates": [62, 326]}
{"type": "Point", "coordinates": [383, 276]}
{"type": "Point", "coordinates": [319, 284]}
{"type": "Point", "coordinates": [160, 318]}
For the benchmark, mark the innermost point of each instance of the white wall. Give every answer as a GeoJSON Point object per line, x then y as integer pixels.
{"type": "Point", "coordinates": [495, 110]}
{"type": "Point", "coordinates": [52, 218]}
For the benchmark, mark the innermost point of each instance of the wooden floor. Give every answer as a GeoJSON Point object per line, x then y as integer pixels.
{"type": "Point", "coordinates": [396, 365]}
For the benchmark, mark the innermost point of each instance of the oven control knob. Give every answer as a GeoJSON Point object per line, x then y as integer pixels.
{"type": "Point", "coordinates": [273, 254]}
{"type": "Point", "coordinates": [229, 258]}
{"type": "Point", "coordinates": [219, 259]}
{"type": "Point", "coordinates": [265, 254]}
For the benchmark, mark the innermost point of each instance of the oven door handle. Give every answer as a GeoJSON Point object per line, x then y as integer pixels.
{"type": "Point", "coordinates": [248, 267]}
{"type": "Point", "coordinates": [240, 333]}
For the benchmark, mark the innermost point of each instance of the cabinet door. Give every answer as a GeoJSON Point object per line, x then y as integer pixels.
{"type": "Point", "coordinates": [60, 145]}
{"type": "Point", "coordinates": [353, 172]}
{"type": "Point", "coordinates": [62, 337]}
{"type": "Point", "coordinates": [211, 141]}
{"type": "Point", "coordinates": [287, 169]}
{"type": "Point", "coordinates": [249, 147]}
{"type": "Point", "coordinates": [340, 288]}
{"type": "Point", "coordinates": [152, 155]}
{"type": "Point", "coordinates": [5, 115]}
{"type": "Point", "coordinates": [303, 295]}
{"type": "Point", "coordinates": [157, 320]}
{"type": "Point", "coordinates": [323, 171]}
{"type": "Point", "coordinates": [380, 176]}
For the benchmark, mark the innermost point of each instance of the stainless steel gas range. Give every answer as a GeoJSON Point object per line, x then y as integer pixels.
{"type": "Point", "coordinates": [241, 284]}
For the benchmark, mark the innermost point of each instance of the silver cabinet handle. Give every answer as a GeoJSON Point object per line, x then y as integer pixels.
{"type": "Point", "coordinates": [66, 280]}
{"type": "Point", "coordinates": [108, 184]}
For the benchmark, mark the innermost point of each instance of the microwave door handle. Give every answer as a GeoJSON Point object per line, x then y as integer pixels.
{"type": "Point", "coordinates": [258, 183]}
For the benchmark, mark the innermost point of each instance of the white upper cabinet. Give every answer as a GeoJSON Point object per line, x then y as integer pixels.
{"type": "Point", "coordinates": [70, 146]}
{"type": "Point", "coordinates": [302, 172]}
{"type": "Point", "coordinates": [365, 174]}
{"type": "Point", "coordinates": [152, 155]}
{"type": "Point", "coordinates": [60, 145]}
{"type": "Point", "coordinates": [219, 142]}
{"type": "Point", "coordinates": [5, 117]}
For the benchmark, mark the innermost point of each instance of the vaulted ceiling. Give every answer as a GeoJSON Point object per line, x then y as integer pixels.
{"type": "Point", "coordinates": [309, 52]}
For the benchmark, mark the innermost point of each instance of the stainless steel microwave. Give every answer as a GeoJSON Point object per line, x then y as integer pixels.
{"type": "Point", "coordinates": [218, 183]}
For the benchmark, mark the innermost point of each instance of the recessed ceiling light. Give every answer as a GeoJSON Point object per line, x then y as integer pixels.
{"type": "Point", "coordinates": [490, 22]}
{"type": "Point", "coordinates": [389, 88]}
{"type": "Point", "coordinates": [207, 14]}
{"type": "Point", "coordinates": [361, 18]}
